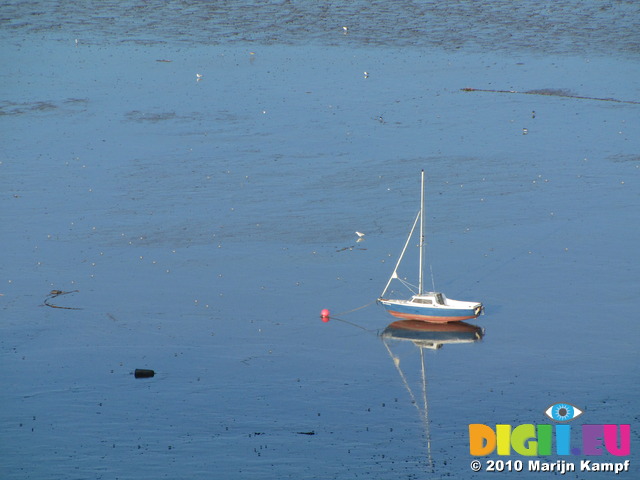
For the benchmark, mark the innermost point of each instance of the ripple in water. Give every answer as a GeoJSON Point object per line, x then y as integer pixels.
{"type": "Point", "coordinates": [568, 26]}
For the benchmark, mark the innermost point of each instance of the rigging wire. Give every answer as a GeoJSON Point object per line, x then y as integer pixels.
{"type": "Point", "coordinates": [433, 282]}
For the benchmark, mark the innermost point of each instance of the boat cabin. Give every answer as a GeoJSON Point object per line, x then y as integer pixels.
{"type": "Point", "coordinates": [432, 298]}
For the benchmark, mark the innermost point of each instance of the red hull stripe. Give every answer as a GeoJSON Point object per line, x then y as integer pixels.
{"type": "Point", "coordinates": [429, 318]}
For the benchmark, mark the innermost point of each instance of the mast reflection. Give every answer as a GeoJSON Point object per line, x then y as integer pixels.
{"type": "Point", "coordinates": [432, 336]}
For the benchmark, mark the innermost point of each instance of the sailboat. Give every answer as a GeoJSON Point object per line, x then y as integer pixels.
{"type": "Point", "coordinates": [424, 305]}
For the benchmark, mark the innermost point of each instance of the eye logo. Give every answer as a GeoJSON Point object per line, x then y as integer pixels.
{"type": "Point", "coordinates": [563, 412]}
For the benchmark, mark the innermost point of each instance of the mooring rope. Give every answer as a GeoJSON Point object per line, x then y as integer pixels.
{"type": "Point", "coordinates": [353, 310]}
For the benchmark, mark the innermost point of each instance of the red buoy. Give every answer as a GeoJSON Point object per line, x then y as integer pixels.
{"type": "Point", "coordinates": [324, 314]}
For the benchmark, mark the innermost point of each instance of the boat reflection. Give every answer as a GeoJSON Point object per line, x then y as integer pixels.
{"type": "Point", "coordinates": [431, 336]}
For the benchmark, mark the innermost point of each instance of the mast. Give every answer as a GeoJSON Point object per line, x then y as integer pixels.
{"type": "Point", "coordinates": [421, 244]}
{"type": "Point", "coordinates": [419, 216]}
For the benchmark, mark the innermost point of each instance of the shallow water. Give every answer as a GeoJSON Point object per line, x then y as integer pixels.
{"type": "Point", "coordinates": [551, 27]}
{"type": "Point", "coordinates": [205, 223]}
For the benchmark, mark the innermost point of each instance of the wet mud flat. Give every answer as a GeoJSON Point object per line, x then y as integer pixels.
{"type": "Point", "coordinates": [196, 226]}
